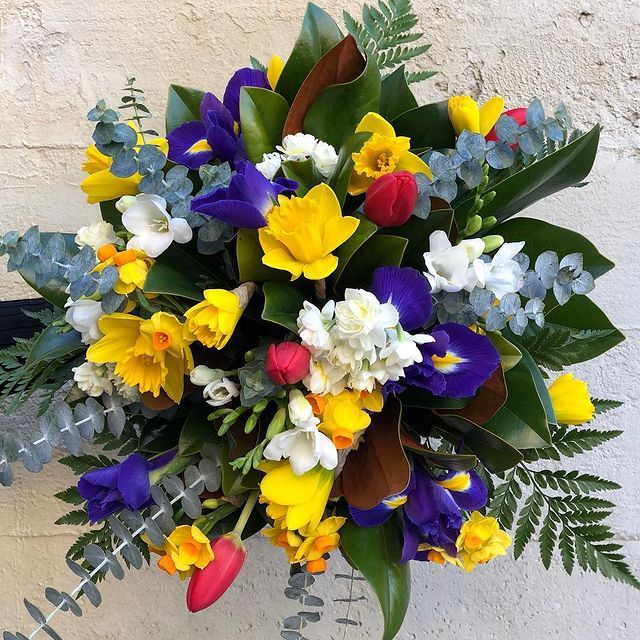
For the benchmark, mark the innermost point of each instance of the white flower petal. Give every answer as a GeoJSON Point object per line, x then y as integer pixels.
{"type": "Point", "coordinates": [182, 232]}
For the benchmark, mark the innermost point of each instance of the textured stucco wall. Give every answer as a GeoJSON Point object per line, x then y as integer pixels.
{"type": "Point", "coordinates": [58, 56]}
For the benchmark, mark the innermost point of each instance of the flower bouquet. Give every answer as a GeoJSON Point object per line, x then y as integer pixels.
{"type": "Point", "coordinates": [307, 312]}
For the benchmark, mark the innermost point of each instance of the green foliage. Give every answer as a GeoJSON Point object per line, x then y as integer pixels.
{"type": "Point", "coordinates": [74, 518]}
{"type": "Point", "coordinates": [133, 103]}
{"type": "Point", "coordinates": [82, 464]}
{"type": "Point", "coordinates": [386, 33]}
{"type": "Point", "coordinates": [558, 508]}
{"type": "Point", "coordinates": [70, 496]}
{"type": "Point", "coordinates": [282, 303]}
{"type": "Point", "coordinates": [183, 105]}
{"type": "Point", "coordinates": [602, 406]}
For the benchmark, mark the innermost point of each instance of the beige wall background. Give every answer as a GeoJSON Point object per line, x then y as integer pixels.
{"type": "Point", "coordinates": [57, 57]}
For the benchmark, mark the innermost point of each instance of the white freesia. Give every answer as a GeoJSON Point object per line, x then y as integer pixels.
{"type": "Point", "coordinates": [152, 227]}
{"type": "Point", "coordinates": [325, 158]}
{"type": "Point", "coordinates": [447, 265]}
{"type": "Point", "coordinates": [325, 377]}
{"type": "Point", "coordinates": [303, 445]}
{"type": "Point", "coordinates": [270, 165]}
{"type": "Point", "coordinates": [83, 315]}
{"type": "Point", "coordinates": [202, 375]}
{"type": "Point", "coordinates": [96, 235]}
{"type": "Point", "coordinates": [313, 326]}
{"type": "Point", "coordinates": [502, 275]}
{"type": "Point", "coordinates": [220, 392]}
{"type": "Point", "coordinates": [93, 379]}
{"type": "Point", "coordinates": [297, 146]}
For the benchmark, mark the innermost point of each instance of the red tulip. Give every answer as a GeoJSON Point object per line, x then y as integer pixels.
{"type": "Point", "coordinates": [519, 115]}
{"type": "Point", "coordinates": [391, 199]}
{"type": "Point", "coordinates": [209, 584]}
{"type": "Point", "coordinates": [287, 362]}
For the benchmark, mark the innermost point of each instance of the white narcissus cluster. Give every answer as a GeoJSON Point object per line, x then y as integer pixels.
{"type": "Point", "coordinates": [298, 147]}
{"type": "Point", "coordinates": [452, 268]}
{"type": "Point", "coordinates": [93, 379]}
{"type": "Point", "coordinates": [357, 343]}
{"type": "Point", "coordinates": [83, 315]}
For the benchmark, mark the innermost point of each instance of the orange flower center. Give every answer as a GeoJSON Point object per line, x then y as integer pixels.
{"type": "Point", "coordinates": [106, 251]}
{"type": "Point", "coordinates": [124, 257]}
{"type": "Point", "coordinates": [161, 340]}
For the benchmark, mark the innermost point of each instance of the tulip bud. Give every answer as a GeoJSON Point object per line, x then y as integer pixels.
{"type": "Point", "coordinates": [287, 362]}
{"type": "Point", "coordinates": [208, 585]}
{"type": "Point", "coordinates": [391, 199]}
{"type": "Point", "coordinates": [519, 115]}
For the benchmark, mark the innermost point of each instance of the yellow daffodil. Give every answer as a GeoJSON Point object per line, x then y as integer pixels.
{"type": "Point", "coordinates": [101, 185]}
{"type": "Point", "coordinates": [323, 539]}
{"type": "Point", "coordinates": [344, 415]}
{"type": "Point", "coordinates": [571, 400]}
{"type": "Point", "coordinates": [133, 266]}
{"type": "Point", "coordinates": [382, 153]}
{"type": "Point", "coordinates": [185, 549]}
{"type": "Point", "coordinates": [151, 354]}
{"type": "Point", "coordinates": [466, 115]}
{"type": "Point", "coordinates": [480, 540]}
{"type": "Point", "coordinates": [301, 233]}
{"type": "Point", "coordinates": [299, 500]}
{"type": "Point", "coordinates": [214, 320]}
{"type": "Point", "coordinates": [438, 555]}
{"type": "Point", "coordinates": [283, 538]}
{"type": "Point", "coordinates": [274, 70]}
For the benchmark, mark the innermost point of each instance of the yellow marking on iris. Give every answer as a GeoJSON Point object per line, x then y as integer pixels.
{"type": "Point", "coordinates": [459, 482]}
{"type": "Point", "coordinates": [199, 147]}
{"type": "Point", "coordinates": [394, 503]}
{"type": "Point", "coordinates": [448, 363]}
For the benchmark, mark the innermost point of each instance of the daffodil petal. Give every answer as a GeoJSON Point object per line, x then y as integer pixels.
{"type": "Point", "coordinates": [375, 123]}
{"type": "Point", "coordinates": [282, 259]}
{"type": "Point", "coordinates": [320, 268]}
{"type": "Point", "coordinates": [414, 164]}
{"type": "Point", "coordinates": [490, 111]}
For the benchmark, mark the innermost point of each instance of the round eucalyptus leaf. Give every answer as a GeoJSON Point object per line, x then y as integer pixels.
{"type": "Point", "coordinates": [295, 623]}
{"type": "Point", "coordinates": [125, 164]}
{"type": "Point", "coordinates": [81, 572]}
{"type": "Point", "coordinates": [173, 485]}
{"type": "Point", "coordinates": [211, 471]}
{"type": "Point", "coordinates": [96, 557]}
{"type": "Point", "coordinates": [193, 479]}
{"type": "Point", "coordinates": [312, 601]}
{"type": "Point", "coordinates": [92, 593]}
{"type": "Point", "coordinates": [294, 593]}
{"type": "Point", "coordinates": [6, 474]}
{"type": "Point", "coordinates": [310, 616]}
{"type": "Point", "coordinates": [116, 419]}
{"type": "Point", "coordinates": [30, 458]}
{"type": "Point", "coordinates": [70, 601]}
{"type": "Point", "coordinates": [55, 598]}
{"type": "Point", "coordinates": [119, 530]}
{"type": "Point", "coordinates": [52, 633]}
{"type": "Point", "coordinates": [132, 555]}
{"type": "Point", "coordinates": [301, 580]}
{"type": "Point", "coordinates": [103, 133]}
{"type": "Point", "coordinates": [44, 451]}
{"type": "Point", "coordinates": [114, 566]}
{"type": "Point", "coordinates": [191, 504]}
{"type": "Point", "coordinates": [154, 532]}
{"type": "Point", "coordinates": [134, 520]}
{"type": "Point", "coordinates": [49, 429]}
{"type": "Point", "coordinates": [289, 634]}
{"type": "Point", "coordinates": [34, 612]}
{"type": "Point", "coordinates": [126, 135]}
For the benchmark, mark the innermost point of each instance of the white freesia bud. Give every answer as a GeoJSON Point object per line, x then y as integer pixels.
{"type": "Point", "coordinates": [83, 315]}
{"type": "Point", "coordinates": [203, 375]}
{"type": "Point", "coordinates": [96, 235]}
{"type": "Point", "coordinates": [270, 165]}
{"type": "Point", "coordinates": [300, 410]}
{"type": "Point", "coordinates": [126, 202]}
{"type": "Point", "coordinates": [220, 392]}
{"type": "Point", "coordinates": [93, 379]}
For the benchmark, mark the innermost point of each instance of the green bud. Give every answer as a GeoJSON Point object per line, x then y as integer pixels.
{"type": "Point", "coordinates": [477, 205]}
{"type": "Point", "coordinates": [489, 196]}
{"type": "Point", "coordinates": [211, 503]}
{"type": "Point", "coordinates": [218, 413]}
{"type": "Point", "coordinates": [248, 465]}
{"type": "Point", "coordinates": [260, 406]}
{"type": "Point", "coordinates": [257, 456]}
{"type": "Point", "coordinates": [491, 243]}
{"type": "Point", "coordinates": [277, 423]}
{"type": "Point", "coordinates": [281, 394]}
{"type": "Point", "coordinates": [489, 222]}
{"type": "Point", "coordinates": [251, 423]}
{"type": "Point", "coordinates": [474, 224]}
{"type": "Point", "coordinates": [249, 357]}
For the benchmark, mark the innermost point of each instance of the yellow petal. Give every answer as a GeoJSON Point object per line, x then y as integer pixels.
{"type": "Point", "coordinates": [414, 164]}
{"type": "Point", "coordinates": [375, 123]}
{"type": "Point", "coordinates": [284, 487]}
{"type": "Point", "coordinates": [327, 200]}
{"type": "Point", "coordinates": [337, 231]}
{"type": "Point", "coordinates": [174, 381]}
{"type": "Point", "coordinates": [464, 114]}
{"type": "Point", "coordinates": [274, 70]}
{"type": "Point", "coordinates": [103, 185]}
{"type": "Point", "coordinates": [358, 183]}
{"type": "Point", "coordinates": [321, 268]}
{"type": "Point", "coordinates": [95, 160]}
{"type": "Point", "coordinates": [490, 111]}
{"type": "Point", "coordinates": [282, 259]}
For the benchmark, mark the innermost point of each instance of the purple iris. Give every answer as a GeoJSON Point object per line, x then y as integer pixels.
{"type": "Point", "coordinates": [432, 509]}
{"type": "Point", "coordinates": [407, 290]}
{"type": "Point", "coordinates": [455, 365]}
{"type": "Point", "coordinates": [122, 486]}
{"type": "Point", "coordinates": [215, 135]}
{"type": "Point", "coordinates": [247, 199]}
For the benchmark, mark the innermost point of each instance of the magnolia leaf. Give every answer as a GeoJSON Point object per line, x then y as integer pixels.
{"type": "Point", "coordinates": [183, 105]}
{"type": "Point", "coordinates": [282, 304]}
{"type": "Point", "coordinates": [441, 459]}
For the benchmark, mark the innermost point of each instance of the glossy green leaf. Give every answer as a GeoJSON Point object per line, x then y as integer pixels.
{"type": "Point", "coordinates": [249, 255]}
{"type": "Point", "coordinates": [375, 552]}
{"type": "Point", "coordinates": [422, 399]}
{"type": "Point", "coordinates": [541, 385]}
{"type": "Point", "coordinates": [345, 251]}
{"type": "Point", "coordinates": [52, 345]}
{"type": "Point", "coordinates": [262, 114]}
{"type": "Point", "coordinates": [522, 420]}
{"type": "Point", "coordinates": [177, 273]}
{"type": "Point", "coordinates": [428, 126]}
{"type": "Point", "coordinates": [581, 314]}
{"type": "Point", "coordinates": [304, 172]}
{"type": "Point", "coordinates": [318, 36]}
{"type": "Point", "coordinates": [495, 453]}
{"type": "Point", "coordinates": [509, 354]}
{"type": "Point", "coordinates": [540, 236]}
{"type": "Point", "coordinates": [378, 251]}
{"type": "Point", "coordinates": [337, 111]}
{"type": "Point", "coordinates": [344, 167]}
{"type": "Point", "coordinates": [197, 431]}
{"type": "Point", "coordinates": [440, 459]}
{"type": "Point", "coordinates": [567, 166]}
{"type": "Point", "coordinates": [54, 291]}
{"type": "Point", "coordinates": [396, 97]}
{"type": "Point", "coordinates": [111, 215]}
{"type": "Point", "coordinates": [183, 105]}
{"type": "Point", "coordinates": [282, 304]}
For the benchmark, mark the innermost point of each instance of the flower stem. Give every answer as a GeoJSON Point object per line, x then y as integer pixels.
{"type": "Point", "coordinates": [246, 513]}
{"type": "Point", "coordinates": [321, 289]}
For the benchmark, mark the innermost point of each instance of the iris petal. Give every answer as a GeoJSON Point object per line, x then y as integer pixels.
{"type": "Point", "coordinates": [183, 139]}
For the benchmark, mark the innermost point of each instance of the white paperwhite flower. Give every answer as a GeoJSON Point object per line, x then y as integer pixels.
{"type": "Point", "coordinates": [502, 275]}
{"type": "Point", "coordinates": [324, 377]}
{"type": "Point", "coordinates": [202, 375]}
{"type": "Point", "coordinates": [448, 266]}
{"type": "Point", "coordinates": [83, 315]}
{"type": "Point", "coordinates": [402, 353]}
{"type": "Point", "coordinates": [313, 326]}
{"type": "Point", "coordinates": [304, 445]}
{"type": "Point", "coordinates": [220, 392]}
{"type": "Point", "coordinates": [125, 391]}
{"type": "Point", "coordinates": [270, 165]}
{"type": "Point", "coordinates": [152, 227]}
{"type": "Point", "coordinates": [297, 146]}
{"type": "Point", "coordinates": [325, 158]}
{"type": "Point", "coordinates": [96, 235]}
{"type": "Point", "coordinates": [93, 379]}
{"type": "Point", "coordinates": [363, 321]}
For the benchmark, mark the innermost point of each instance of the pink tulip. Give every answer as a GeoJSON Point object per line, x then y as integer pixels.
{"type": "Point", "coordinates": [209, 584]}
{"type": "Point", "coordinates": [287, 362]}
{"type": "Point", "coordinates": [519, 115]}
